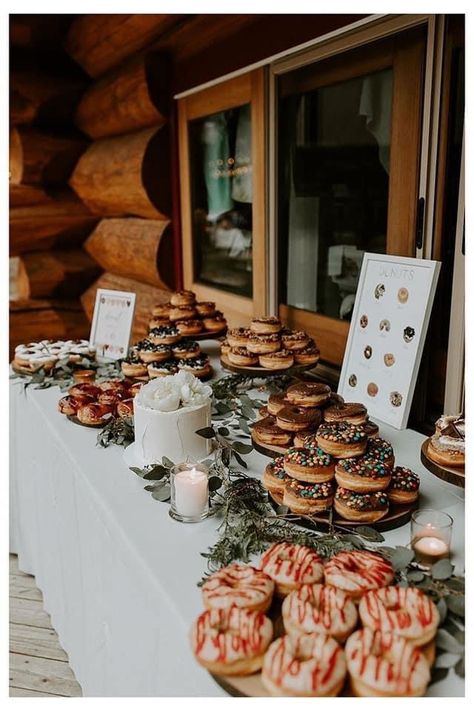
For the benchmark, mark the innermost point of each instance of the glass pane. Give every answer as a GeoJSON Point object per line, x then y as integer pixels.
{"type": "Point", "coordinates": [221, 195]}
{"type": "Point", "coordinates": [334, 163]}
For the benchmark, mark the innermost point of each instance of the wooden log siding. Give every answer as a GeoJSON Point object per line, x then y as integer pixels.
{"type": "Point", "coordinates": [146, 297]}
{"type": "Point", "coordinates": [127, 175]}
{"type": "Point", "coordinates": [66, 272]}
{"type": "Point", "coordinates": [42, 158]}
{"type": "Point", "coordinates": [132, 97]}
{"type": "Point", "coordinates": [130, 247]}
{"type": "Point", "coordinates": [43, 100]}
{"type": "Point", "coordinates": [100, 42]}
{"type": "Point", "coordinates": [25, 195]}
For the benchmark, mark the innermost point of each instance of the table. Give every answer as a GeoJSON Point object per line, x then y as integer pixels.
{"type": "Point", "coordinates": [118, 575]}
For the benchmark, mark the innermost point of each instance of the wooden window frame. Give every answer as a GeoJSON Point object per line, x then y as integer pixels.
{"type": "Point", "coordinates": [402, 52]}
{"type": "Point", "coordinates": [245, 89]}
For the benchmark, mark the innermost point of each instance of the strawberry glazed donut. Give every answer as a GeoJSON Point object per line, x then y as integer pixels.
{"type": "Point", "coordinates": [408, 612]}
{"type": "Point", "coordinates": [384, 664]}
{"type": "Point", "coordinates": [309, 665]}
{"type": "Point", "coordinates": [290, 566]}
{"type": "Point", "coordinates": [319, 608]}
{"type": "Point", "coordinates": [239, 585]}
{"type": "Point", "coordinates": [355, 572]}
{"type": "Point", "coordinates": [231, 641]}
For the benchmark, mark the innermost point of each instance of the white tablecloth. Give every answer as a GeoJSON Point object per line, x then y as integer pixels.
{"type": "Point", "coordinates": [118, 575]}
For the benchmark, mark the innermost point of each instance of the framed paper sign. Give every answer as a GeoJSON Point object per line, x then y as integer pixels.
{"type": "Point", "coordinates": [112, 323]}
{"type": "Point", "coordinates": [388, 329]}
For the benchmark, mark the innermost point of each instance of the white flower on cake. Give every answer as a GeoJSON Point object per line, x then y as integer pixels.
{"type": "Point", "coordinates": [173, 392]}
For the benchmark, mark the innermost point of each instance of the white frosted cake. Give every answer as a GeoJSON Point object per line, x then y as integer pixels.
{"type": "Point", "coordinates": [167, 413]}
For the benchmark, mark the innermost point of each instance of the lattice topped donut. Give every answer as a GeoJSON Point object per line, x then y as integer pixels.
{"type": "Point", "coordinates": [319, 608]}
{"type": "Point", "coordinates": [240, 585]}
{"type": "Point", "coordinates": [291, 565]}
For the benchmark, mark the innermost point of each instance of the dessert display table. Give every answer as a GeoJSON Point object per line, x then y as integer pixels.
{"type": "Point", "coordinates": [118, 575]}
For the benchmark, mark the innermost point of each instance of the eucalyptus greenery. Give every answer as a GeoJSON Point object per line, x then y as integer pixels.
{"type": "Point", "coordinates": [62, 373]}
{"type": "Point", "coordinates": [118, 430]}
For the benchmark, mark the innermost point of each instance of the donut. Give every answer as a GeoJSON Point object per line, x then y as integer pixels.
{"type": "Point", "coordinates": [114, 384]}
{"type": "Point", "coordinates": [290, 566]}
{"type": "Point", "coordinates": [263, 344]}
{"type": "Point", "coordinates": [158, 321]}
{"type": "Point", "coordinates": [292, 418]}
{"type": "Point", "coordinates": [153, 353]}
{"type": "Point", "coordinates": [231, 641]}
{"type": "Point", "coordinates": [308, 394]}
{"type": "Point", "coordinates": [447, 451]}
{"type": "Point", "coordinates": [239, 585]}
{"type": "Point", "coordinates": [225, 347]}
{"type": "Point", "coordinates": [319, 608]}
{"type": "Point", "coordinates": [83, 376]}
{"type": "Point", "coordinates": [371, 429]}
{"type": "Point", "coordinates": [238, 337]}
{"type": "Point", "coordinates": [158, 369]}
{"type": "Point", "coordinates": [361, 507]}
{"type": "Point", "coordinates": [276, 360]}
{"type": "Point", "coordinates": [182, 313]}
{"type": "Point", "coordinates": [307, 356]}
{"type": "Point", "coordinates": [205, 308]}
{"type": "Point", "coordinates": [363, 474]}
{"type": "Point", "coordinates": [111, 397]}
{"type": "Point", "coordinates": [309, 665]}
{"type": "Point", "coordinates": [301, 436]}
{"type": "Point", "coordinates": [407, 612]}
{"type": "Point", "coordinates": [262, 412]}
{"type": "Point", "coordinates": [85, 389]}
{"type": "Point", "coordinates": [275, 477]}
{"type": "Point", "coordinates": [309, 464]}
{"type": "Point", "coordinates": [384, 664]}
{"type": "Point", "coordinates": [125, 408]}
{"type": "Point", "coordinates": [404, 486]}
{"type": "Point", "coordinates": [268, 432]}
{"type": "Point", "coordinates": [133, 368]}
{"type": "Point", "coordinates": [341, 439]}
{"type": "Point", "coordinates": [189, 327]}
{"type": "Point", "coordinates": [355, 572]}
{"type": "Point", "coordinates": [306, 499]}
{"type": "Point", "coordinates": [380, 449]}
{"type": "Point", "coordinates": [186, 349]}
{"type": "Point", "coordinates": [353, 412]}
{"type": "Point", "coordinates": [164, 335]}
{"type": "Point", "coordinates": [276, 402]}
{"type": "Point", "coordinates": [161, 310]}
{"type": "Point", "coordinates": [215, 323]}
{"type": "Point", "coordinates": [265, 324]}
{"type": "Point", "coordinates": [185, 297]}
{"type": "Point", "coordinates": [294, 340]}
{"type": "Point", "coordinates": [94, 413]}
{"type": "Point", "coordinates": [200, 366]}
{"type": "Point", "coordinates": [70, 404]}
{"type": "Point", "coordinates": [241, 356]}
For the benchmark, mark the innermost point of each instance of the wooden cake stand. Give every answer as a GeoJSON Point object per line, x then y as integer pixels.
{"type": "Point", "coordinates": [453, 475]}
{"type": "Point", "coordinates": [255, 371]}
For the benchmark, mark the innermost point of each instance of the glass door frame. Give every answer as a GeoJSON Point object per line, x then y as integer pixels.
{"type": "Point", "coordinates": [246, 88]}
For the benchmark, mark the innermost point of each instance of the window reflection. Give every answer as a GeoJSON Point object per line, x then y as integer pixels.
{"type": "Point", "coordinates": [221, 193]}
{"type": "Point", "coordinates": [334, 163]}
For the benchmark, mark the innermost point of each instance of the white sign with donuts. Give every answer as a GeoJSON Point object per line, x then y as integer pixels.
{"type": "Point", "coordinates": [112, 323]}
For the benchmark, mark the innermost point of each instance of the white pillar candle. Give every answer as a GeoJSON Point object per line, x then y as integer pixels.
{"type": "Point", "coordinates": [191, 492]}
{"type": "Point", "coordinates": [429, 545]}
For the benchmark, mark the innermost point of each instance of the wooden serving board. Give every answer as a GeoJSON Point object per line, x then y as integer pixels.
{"type": "Point", "coordinates": [73, 418]}
{"type": "Point", "coordinates": [255, 371]}
{"type": "Point", "coordinates": [269, 450]}
{"type": "Point", "coordinates": [453, 475]}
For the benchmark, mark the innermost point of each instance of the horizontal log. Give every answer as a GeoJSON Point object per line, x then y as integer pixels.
{"type": "Point", "coordinates": [99, 42]}
{"type": "Point", "coordinates": [53, 273]}
{"type": "Point", "coordinates": [42, 99]}
{"type": "Point", "coordinates": [44, 32]}
{"type": "Point", "coordinates": [63, 220]}
{"type": "Point", "coordinates": [146, 297]}
{"type": "Point", "coordinates": [24, 195]}
{"type": "Point", "coordinates": [131, 97]}
{"type": "Point", "coordinates": [42, 158]}
{"type": "Point", "coordinates": [35, 320]}
{"type": "Point", "coordinates": [126, 175]}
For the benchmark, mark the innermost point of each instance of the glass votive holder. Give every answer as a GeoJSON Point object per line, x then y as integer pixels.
{"type": "Point", "coordinates": [189, 483]}
{"type": "Point", "coordinates": [431, 535]}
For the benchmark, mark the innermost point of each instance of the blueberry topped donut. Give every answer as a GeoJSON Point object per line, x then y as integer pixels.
{"type": "Point", "coordinates": [292, 418]}
{"type": "Point", "coordinates": [311, 465]}
{"type": "Point", "coordinates": [158, 369]}
{"type": "Point", "coordinates": [361, 507]}
{"type": "Point", "coordinates": [363, 474]}
{"type": "Point", "coordinates": [164, 335]}
{"type": "Point", "coordinates": [404, 486]}
{"type": "Point", "coordinates": [186, 349]}
{"type": "Point", "coordinates": [267, 431]}
{"type": "Point", "coordinates": [341, 439]}
{"type": "Point", "coordinates": [353, 412]}
{"type": "Point", "coordinates": [197, 366]}
{"type": "Point", "coordinates": [379, 448]}
{"type": "Point", "coordinates": [308, 394]}
{"type": "Point", "coordinates": [308, 498]}
{"type": "Point", "coordinates": [266, 324]}
{"type": "Point", "coordinates": [275, 477]}
{"type": "Point", "coordinates": [153, 352]}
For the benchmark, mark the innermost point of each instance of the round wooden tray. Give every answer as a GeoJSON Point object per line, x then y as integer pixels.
{"type": "Point", "coordinates": [73, 418]}
{"type": "Point", "coordinates": [269, 450]}
{"type": "Point", "coordinates": [453, 475]}
{"type": "Point", "coordinates": [255, 371]}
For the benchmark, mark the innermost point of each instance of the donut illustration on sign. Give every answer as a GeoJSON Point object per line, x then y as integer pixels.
{"type": "Point", "coordinates": [403, 295]}
{"type": "Point", "coordinates": [352, 380]}
{"type": "Point", "coordinates": [384, 325]}
{"type": "Point", "coordinates": [364, 321]}
{"type": "Point", "coordinates": [379, 291]}
{"type": "Point", "coordinates": [368, 352]}
{"type": "Point", "coordinates": [408, 334]}
{"type": "Point", "coordinates": [389, 359]}
{"type": "Point", "coordinates": [372, 389]}
{"type": "Point", "coordinates": [396, 399]}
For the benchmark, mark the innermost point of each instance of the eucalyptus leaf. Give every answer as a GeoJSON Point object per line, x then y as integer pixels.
{"type": "Point", "coordinates": [206, 432]}
{"type": "Point", "coordinates": [241, 461]}
{"type": "Point", "coordinates": [222, 408]}
{"type": "Point", "coordinates": [457, 604]}
{"type": "Point", "coordinates": [162, 494]}
{"type": "Point", "coordinates": [447, 642]}
{"type": "Point", "coordinates": [415, 576]}
{"type": "Point", "coordinates": [442, 570]}
{"type": "Point", "coordinates": [460, 667]}
{"type": "Point", "coordinates": [370, 534]}
{"type": "Point", "coordinates": [442, 609]}
{"type": "Point", "coordinates": [438, 674]}
{"type": "Point", "coordinates": [446, 660]}
{"type": "Point", "coordinates": [223, 431]}
{"type": "Point", "coordinates": [241, 448]}
{"type": "Point", "coordinates": [167, 462]}
{"type": "Point", "coordinates": [156, 473]}
{"type": "Point", "coordinates": [243, 425]}
{"type": "Point", "coordinates": [282, 510]}
{"type": "Point", "coordinates": [215, 483]}
{"type": "Point", "coordinates": [248, 412]}
{"type": "Point", "coordinates": [401, 557]}
{"type": "Point", "coordinates": [137, 471]}
{"type": "Point", "coordinates": [150, 487]}
{"type": "Point", "coordinates": [457, 584]}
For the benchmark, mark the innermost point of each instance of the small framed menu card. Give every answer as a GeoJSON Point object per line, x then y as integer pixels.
{"type": "Point", "coordinates": [112, 323]}
{"type": "Point", "coordinates": [388, 329]}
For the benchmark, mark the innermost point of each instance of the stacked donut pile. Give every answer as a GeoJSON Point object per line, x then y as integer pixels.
{"type": "Point", "coordinates": [268, 345]}
{"type": "Point", "coordinates": [45, 354]}
{"type": "Point", "coordinates": [94, 404]}
{"type": "Point", "coordinates": [169, 346]}
{"type": "Point", "coordinates": [448, 446]}
{"type": "Point", "coordinates": [343, 619]}
{"type": "Point", "coordinates": [342, 464]}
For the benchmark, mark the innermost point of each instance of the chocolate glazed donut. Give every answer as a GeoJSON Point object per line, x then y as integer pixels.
{"type": "Point", "coordinates": [353, 412]}
{"type": "Point", "coordinates": [292, 418]}
{"type": "Point", "coordinates": [308, 394]}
